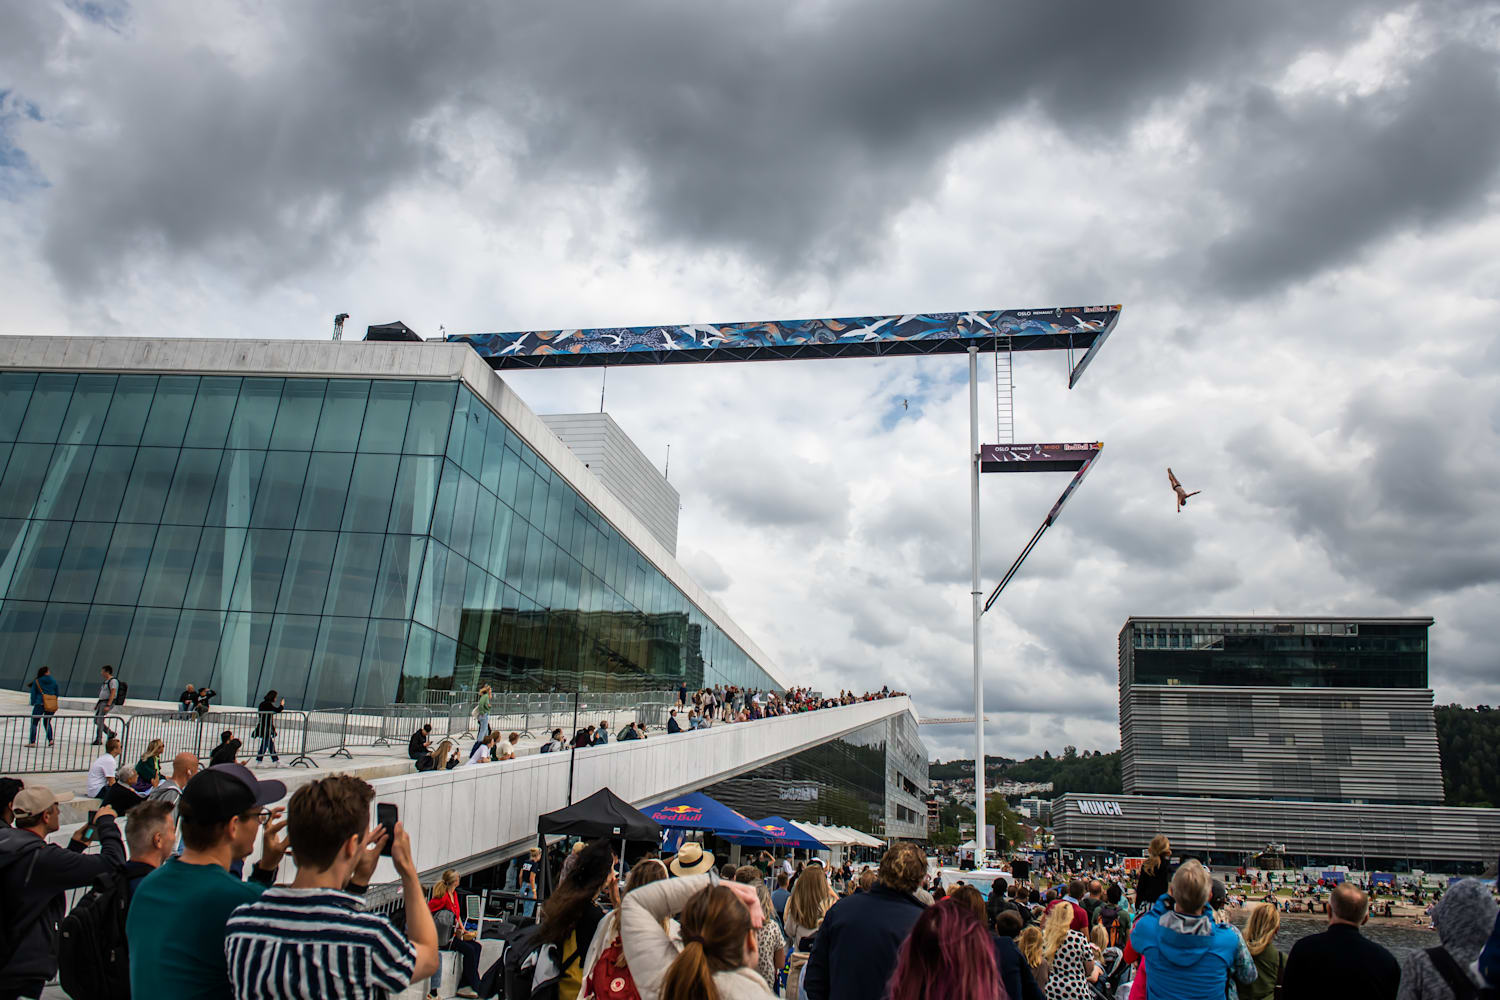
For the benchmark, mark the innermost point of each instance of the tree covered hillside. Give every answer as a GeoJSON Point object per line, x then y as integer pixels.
{"type": "Point", "coordinates": [1469, 740]}
{"type": "Point", "coordinates": [1095, 773]}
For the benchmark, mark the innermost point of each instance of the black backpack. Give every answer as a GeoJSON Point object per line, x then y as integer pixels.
{"type": "Point", "coordinates": [518, 965]}
{"type": "Point", "coordinates": [120, 689]}
{"type": "Point", "coordinates": [92, 955]}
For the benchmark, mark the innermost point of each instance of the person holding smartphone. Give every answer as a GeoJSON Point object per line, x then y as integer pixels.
{"type": "Point", "coordinates": [34, 879]}
{"type": "Point", "coordinates": [318, 923]}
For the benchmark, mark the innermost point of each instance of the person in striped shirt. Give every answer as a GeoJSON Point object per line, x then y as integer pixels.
{"type": "Point", "coordinates": [313, 938]}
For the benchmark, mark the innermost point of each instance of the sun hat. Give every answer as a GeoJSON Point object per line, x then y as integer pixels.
{"type": "Point", "coordinates": [691, 859]}
{"type": "Point", "coordinates": [32, 802]}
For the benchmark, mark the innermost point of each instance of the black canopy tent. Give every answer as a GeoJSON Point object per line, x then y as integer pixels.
{"type": "Point", "coordinates": [603, 814]}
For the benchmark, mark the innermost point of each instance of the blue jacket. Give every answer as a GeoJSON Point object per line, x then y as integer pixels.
{"type": "Point", "coordinates": [48, 685]}
{"type": "Point", "coordinates": [1187, 957]}
{"type": "Point", "coordinates": [1489, 957]}
{"type": "Point", "coordinates": [855, 951]}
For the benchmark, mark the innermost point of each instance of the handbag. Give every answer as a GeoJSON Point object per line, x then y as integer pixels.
{"type": "Point", "coordinates": [49, 701]}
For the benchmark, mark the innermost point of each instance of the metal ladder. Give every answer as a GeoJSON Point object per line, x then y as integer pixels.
{"type": "Point", "coordinates": [1005, 399]}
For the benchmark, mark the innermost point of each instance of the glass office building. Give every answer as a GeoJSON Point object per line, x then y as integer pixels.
{"type": "Point", "coordinates": [344, 540]}
{"type": "Point", "coordinates": [1322, 709]}
{"type": "Point", "coordinates": [1314, 735]}
{"type": "Point", "coordinates": [1263, 652]}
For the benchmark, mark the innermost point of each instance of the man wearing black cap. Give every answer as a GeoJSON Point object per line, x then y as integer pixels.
{"type": "Point", "coordinates": [33, 878]}
{"type": "Point", "coordinates": [177, 914]}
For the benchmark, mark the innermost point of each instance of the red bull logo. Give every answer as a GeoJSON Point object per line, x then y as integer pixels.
{"type": "Point", "coordinates": [678, 813]}
{"type": "Point", "coordinates": [779, 831]}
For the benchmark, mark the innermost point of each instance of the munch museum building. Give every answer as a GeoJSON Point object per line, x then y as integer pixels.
{"type": "Point", "coordinates": [1310, 738]}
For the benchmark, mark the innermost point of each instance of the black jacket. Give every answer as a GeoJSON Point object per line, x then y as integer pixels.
{"type": "Point", "coordinates": [1149, 888]}
{"type": "Point", "coordinates": [1015, 974]}
{"type": "Point", "coordinates": [122, 798]}
{"type": "Point", "coordinates": [417, 745]}
{"type": "Point", "coordinates": [673, 726]}
{"type": "Point", "coordinates": [855, 951]}
{"type": "Point", "coordinates": [1340, 962]}
{"type": "Point", "coordinates": [33, 879]}
{"type": "Point", "coordinates": [224, 753]}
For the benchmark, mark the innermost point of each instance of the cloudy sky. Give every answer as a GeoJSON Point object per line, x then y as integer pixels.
{"type": "Point", "coordinates": [1296, 202]}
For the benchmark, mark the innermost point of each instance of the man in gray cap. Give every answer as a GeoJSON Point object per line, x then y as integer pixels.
{"type": "Point", "coordinates": [34, 877]}
{"type": "Point", "coordinates": [178, 912]}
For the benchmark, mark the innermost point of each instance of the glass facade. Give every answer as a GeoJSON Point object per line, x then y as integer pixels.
{"type": "Point", "coordinates": [1275, 654]}
{"type": "Point", "coordinates": [344, 541]}
{"type": "Point", "coordinates": [873, 779]}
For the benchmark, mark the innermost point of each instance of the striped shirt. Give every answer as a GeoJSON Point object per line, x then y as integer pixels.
{"type": "Point", "coordinates": [294, 943]}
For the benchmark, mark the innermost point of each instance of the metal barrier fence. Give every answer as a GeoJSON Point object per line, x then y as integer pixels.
{"type": "Point", "coordinates": [200, 734]}
{"type": "Point", "coordinates": [300, 734]}
{"type": "Point", "coordinates": [62, 742]}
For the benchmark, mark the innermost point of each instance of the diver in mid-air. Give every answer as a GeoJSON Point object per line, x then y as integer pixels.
{"type": "Point", "coordinates": [1182, 494]}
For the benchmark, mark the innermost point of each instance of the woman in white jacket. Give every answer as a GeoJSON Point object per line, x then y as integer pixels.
{"type": "Point", "coordinates": [718, 924]}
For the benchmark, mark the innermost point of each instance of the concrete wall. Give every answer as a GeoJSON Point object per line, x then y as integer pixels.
{"type": "Point", "coordinates": [469, 818]}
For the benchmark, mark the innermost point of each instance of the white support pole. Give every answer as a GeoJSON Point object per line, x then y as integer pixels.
{"type": "Point", "coordinates": [977, 597]}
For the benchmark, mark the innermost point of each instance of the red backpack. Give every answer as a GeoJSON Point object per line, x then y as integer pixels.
{"type": "Point", "coordinates": [610, 978]}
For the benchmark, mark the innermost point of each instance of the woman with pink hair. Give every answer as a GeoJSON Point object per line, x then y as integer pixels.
{"type": "Point", "coordinates": [947, 956]}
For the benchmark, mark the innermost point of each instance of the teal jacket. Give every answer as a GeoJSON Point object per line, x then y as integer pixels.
{"type": "Point", "coordinates": [1187, 957]}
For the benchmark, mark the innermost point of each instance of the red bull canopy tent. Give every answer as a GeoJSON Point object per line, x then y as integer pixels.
{"type": "Point", "coordinates": [784, 833]}
{"type": "Point", "coordinates": [699, 812]}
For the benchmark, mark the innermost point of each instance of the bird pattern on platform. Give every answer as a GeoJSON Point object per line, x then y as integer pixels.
{"type": "Point", "coordinates": [1078, 321]}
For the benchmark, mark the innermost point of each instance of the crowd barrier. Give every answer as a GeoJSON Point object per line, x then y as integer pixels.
{"type": "Point", "coordinates": [63, 742]}
{"type": "Point", "coordinates": [331, 732]}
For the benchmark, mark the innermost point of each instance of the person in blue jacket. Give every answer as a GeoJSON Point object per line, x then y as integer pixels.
{"type": "Point", "coordinates": [42, 685]}
{"type": "Point", "coordinates": [1489, 957]}
{"type": "Point", "coordinates": [1187, 954]}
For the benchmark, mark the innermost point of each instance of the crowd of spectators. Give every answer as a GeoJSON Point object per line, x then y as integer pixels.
{"type": "Point", "coordinates": [672, 928]}
{"type": "Point", "coordinates": [702, 709]}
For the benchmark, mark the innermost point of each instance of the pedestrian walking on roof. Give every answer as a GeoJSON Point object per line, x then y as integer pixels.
{"type": "Point", "coordinates": [109, 693]}
{"type": "Point", "coordinates": [482, 713]}
{"type": "Point", "coordinates": [265, 726]}
{"type": "Point", "coordinates": [44, 693]}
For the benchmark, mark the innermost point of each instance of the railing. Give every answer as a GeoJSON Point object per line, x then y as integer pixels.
{"type": "Point", "coordinates": [332, 731]}
{"type": "Point", "coordinates": [200, 734]}
{"type": "Point", "coordinates": [63, 742]}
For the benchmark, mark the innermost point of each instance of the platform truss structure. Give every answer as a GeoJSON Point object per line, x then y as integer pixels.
{"type": "Point", "coordinates": [1003, 331]}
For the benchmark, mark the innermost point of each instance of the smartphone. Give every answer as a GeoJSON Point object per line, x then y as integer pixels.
{"type": "Point", "coordinates": [385, 815]}
{"type": "Point", "coordinates": [88, 831]}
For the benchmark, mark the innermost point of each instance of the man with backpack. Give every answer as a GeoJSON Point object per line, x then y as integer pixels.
{"type": "Point", "coordinates": [34, 878]}
{"type": "Point", "coordinates": [109, 696]}
{"type": "Point", "coordinates": [93, 947]}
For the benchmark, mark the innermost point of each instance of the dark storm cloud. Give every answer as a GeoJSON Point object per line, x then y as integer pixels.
{"type": "Point", "coordinates": [1318, 178]}
{"type": "Point", "coordinates": [792, 135]}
